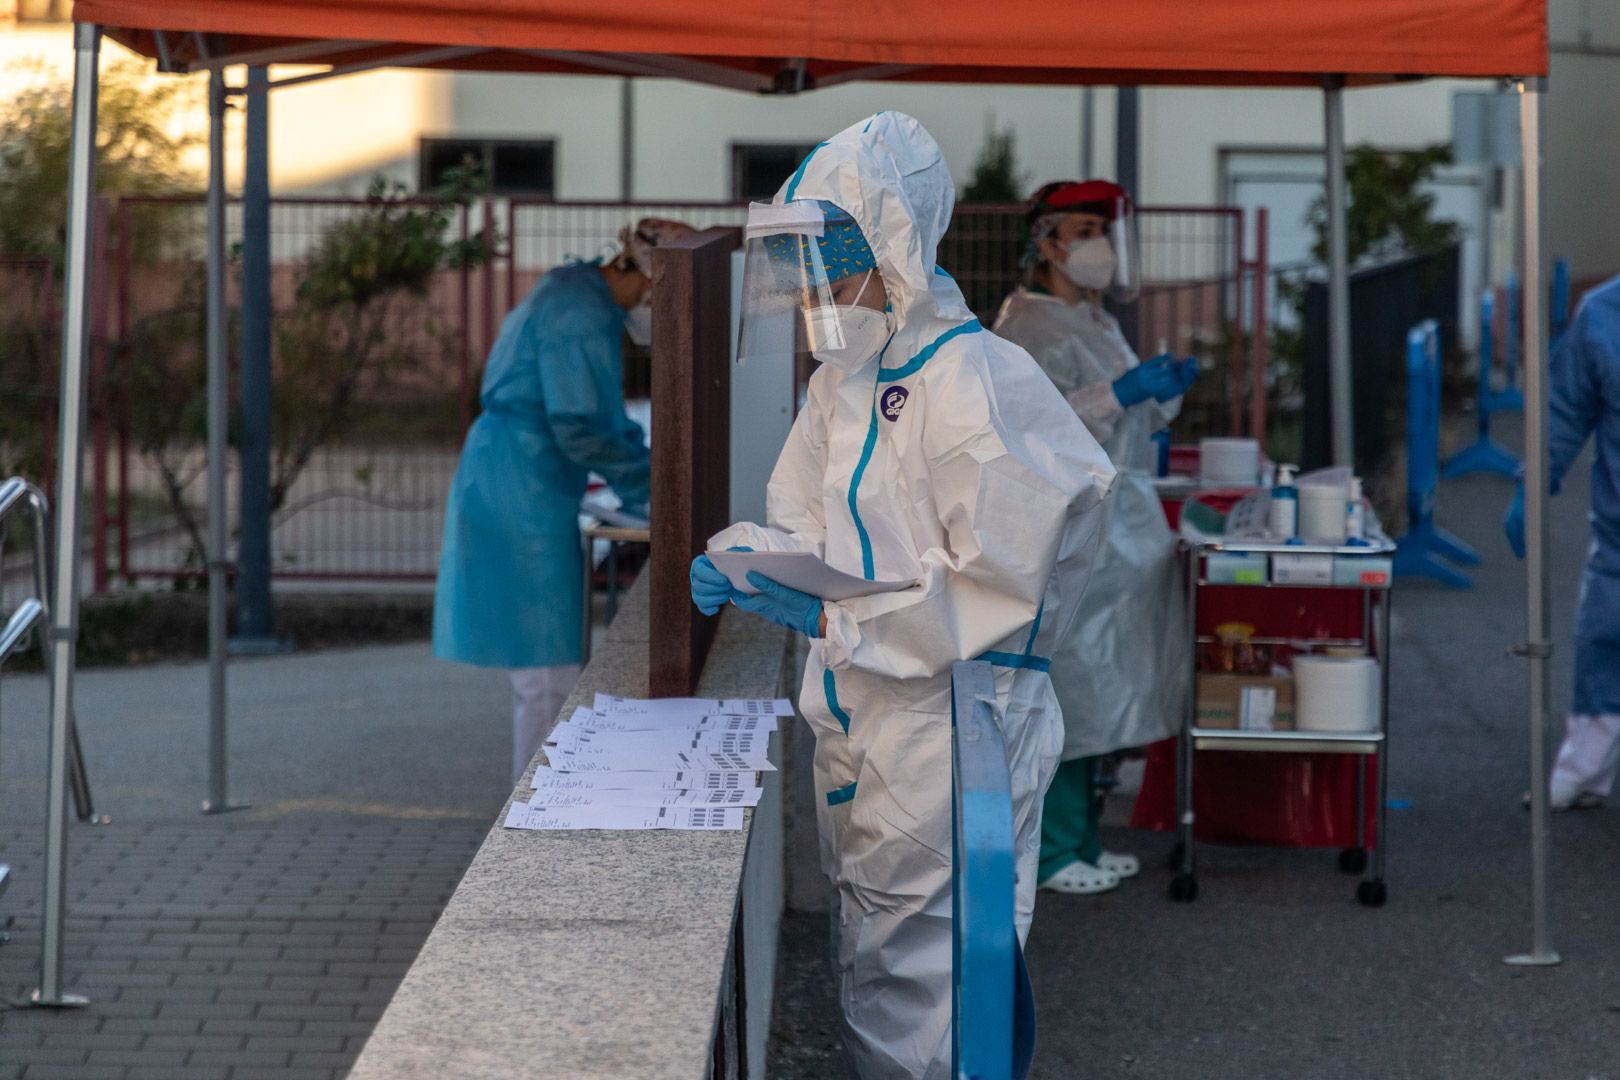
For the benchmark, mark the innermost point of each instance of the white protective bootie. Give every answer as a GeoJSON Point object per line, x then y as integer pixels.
{"type": "Point", "coordinates": [1120, 865]}
{"type": "Point", "coordinates": [1081, 879]}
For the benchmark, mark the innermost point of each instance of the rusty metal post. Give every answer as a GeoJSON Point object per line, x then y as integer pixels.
{"type": "Point", "coordinates": [1259, 345]}
{"type": "Point", "coordinates": [691, 471]}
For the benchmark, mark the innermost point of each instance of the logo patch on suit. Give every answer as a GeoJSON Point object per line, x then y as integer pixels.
{"type": "Point", "coordinates": [894, 399]}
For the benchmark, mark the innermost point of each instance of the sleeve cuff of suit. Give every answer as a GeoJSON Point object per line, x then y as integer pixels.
{"type": "Point", "coordinates": [842, 638]}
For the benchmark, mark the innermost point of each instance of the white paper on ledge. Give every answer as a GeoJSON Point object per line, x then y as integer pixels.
{"type": "Point", "coordinates": [800, 570]}
{"type": "Point", "coordinates": [570, 739]}
{"type": "Point", "coordinates": [656, 761]}
{"type": "Point", "coordinates": [654, 724]}
{"type": "Point", "coordinates": [546, 779]}
{"type": "Point", "coordinates": [554, 800]}
{"type": "Point", "coordinates": [625, 817]}
{"type": "Point", "coordinates": [662, 708]}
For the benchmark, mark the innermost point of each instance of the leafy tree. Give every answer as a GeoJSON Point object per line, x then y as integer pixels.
{"type": "Point", "coordinates": [143, 142]}
{"type": "Point", "coordinates": [996, 177]}
{"type": "Point", "coordinates": [1388, 215]}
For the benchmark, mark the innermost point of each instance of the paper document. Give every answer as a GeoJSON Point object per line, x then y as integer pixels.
{"type": "Point", "coordinates": [607, 705]}
{"type": "Point", "coordinates": [654, 724]}
{"type": "Point", "coordinates": [578, 740]}
{"type": "Point", "coordinates": [553, 800]}
{"type": "Point", "coordinates": [800, 570]}
{"type": "Point", "coordinates": [625, 817]}
{"type": "Point", "coordinates": [656, 760]}
{"type": "Point", "coordinates": [552, 780]}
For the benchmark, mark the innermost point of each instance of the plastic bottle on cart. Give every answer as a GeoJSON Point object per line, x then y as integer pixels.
{"type": "Point", "coordinates": [1355, 515]}
{"type": "Point", "coordinates": [1285, 504]}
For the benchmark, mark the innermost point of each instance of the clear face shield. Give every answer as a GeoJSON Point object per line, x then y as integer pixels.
{"type": "Point", "coordinates": [810, 287]}
{"type": "Point", "coordinates": [1095, 246]}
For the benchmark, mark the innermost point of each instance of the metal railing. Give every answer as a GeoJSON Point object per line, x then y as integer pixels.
{"type": "Point", "coordinates": [31, 613]}
{"type": "Point", "coordinates": [987, 963]}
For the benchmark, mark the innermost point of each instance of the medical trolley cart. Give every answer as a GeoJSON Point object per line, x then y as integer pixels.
{"type": "Point", "coordinates": [1373, 639]}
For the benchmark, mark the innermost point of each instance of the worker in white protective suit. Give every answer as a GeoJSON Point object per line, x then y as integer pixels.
{"type": "Point", "coordinates": [927, 449]}
{"type": "Point", "coordinates": [1120, 672]}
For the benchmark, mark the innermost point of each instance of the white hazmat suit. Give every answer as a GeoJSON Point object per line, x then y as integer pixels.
{"type": "Point", "coordinates": [1121, 672]}
{"type": "Point", "coordinates": [947, 456]}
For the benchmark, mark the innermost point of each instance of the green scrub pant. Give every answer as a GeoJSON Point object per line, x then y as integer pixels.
{"type": "Point", "coordinates": [1069, 817]}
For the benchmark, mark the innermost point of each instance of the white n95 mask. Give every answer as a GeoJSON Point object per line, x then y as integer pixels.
{"type": "Point", "coordinates": [1091, 262]}
{"type": "Point", "coordinates": [638, 323]}
{"type": "Point", "coordinates": [846, 335]}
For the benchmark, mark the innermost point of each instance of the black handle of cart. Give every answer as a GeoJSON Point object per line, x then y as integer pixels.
{"type": "Point", "coordinates": [1371, 889]}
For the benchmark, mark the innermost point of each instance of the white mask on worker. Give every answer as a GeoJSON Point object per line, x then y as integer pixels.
{"type": "Point", "coordinates": [846, 335]}
{"type": "Point", "coordinates": [638, 323]}
{"type": "Point", "coordinates": [1090, 264]}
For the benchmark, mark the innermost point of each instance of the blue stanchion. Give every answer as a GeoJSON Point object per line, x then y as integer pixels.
{"type": "Point", "coordinates": [1559, 307]}
{"type": "Point", "coordinates": [1510, 398]}
{"type": "Point", "coordinates": [1483, 455]}
{"type": "Point", "coordinates": [1420, 553]}
{"type": "Point", "coordinates": [992, 1007]}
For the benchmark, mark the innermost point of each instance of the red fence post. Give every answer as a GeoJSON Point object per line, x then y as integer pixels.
{"type": "Point", "coordinates": [126, 266]}
{"type": "Point", "coordinates": [1259, 346]}
{"type": "Point", "coordinates": [464, 406]}
{"type": "Point", "coordinates": [98, 399]}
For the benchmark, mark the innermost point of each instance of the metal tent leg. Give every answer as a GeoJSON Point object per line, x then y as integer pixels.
{"type": "Point", "coordinates": [1340, 402]}
{"type": "Point", "coordinates": [70, 482]}
{"type": "Point", "coordinates": [1537, 648]}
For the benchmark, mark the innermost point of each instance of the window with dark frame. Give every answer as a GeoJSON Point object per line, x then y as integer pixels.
{"type": "Point", "coordinates": [759, 169]}
{"type": "Point", "coordinates": [509, 166]}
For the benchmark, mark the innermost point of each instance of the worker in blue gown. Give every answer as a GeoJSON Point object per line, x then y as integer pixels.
{"type": "Point", "coordinates": [553, 413]}
{"type": "Point", "coordinates": [1584, 402]}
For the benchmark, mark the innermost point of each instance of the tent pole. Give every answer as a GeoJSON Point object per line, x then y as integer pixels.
{"type": "Point", "coordinates": [1340, 388]}
{"type": "Point", "coordinates": [64, 633]}
{"type": "Point", "coordinates": [1537, 648]}
{"type": "Point", "coordinates": [216, 555]}
{"type": "Point", "coordinates": [255, 629]}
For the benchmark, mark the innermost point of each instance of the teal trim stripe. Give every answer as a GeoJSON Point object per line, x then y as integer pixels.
{"type": "Point", "coordinates": [798, 174]}
{"type": "Point", "coordinates": [841, 795]}
{"type": "Point", "coordinates": [914, 365]}
{"type": "Point", "coordinates": [1016, 660]}
{"type": "Point", "coordinates": [1029, 646]}
{"type": "Point", "coordinates": [829, 685]}
{"type": "Point", "coordinates": [867, 567]}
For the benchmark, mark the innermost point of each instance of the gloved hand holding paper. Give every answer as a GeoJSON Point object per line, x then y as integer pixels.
{"type": "Point", "coordinates": [800, 570]}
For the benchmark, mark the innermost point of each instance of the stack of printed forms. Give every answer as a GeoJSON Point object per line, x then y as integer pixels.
{"type": "Point", "coordinates": [665, 763]}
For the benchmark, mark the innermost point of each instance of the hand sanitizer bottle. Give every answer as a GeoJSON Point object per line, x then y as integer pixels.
{"type": "Point", "coordinates": [1285, 504]}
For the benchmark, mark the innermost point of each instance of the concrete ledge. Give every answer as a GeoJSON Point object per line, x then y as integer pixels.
{"type": "Point", "coordinates": [612, 955]}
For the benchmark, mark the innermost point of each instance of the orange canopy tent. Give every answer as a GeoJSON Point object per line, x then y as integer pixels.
{"type": "Point", "coordinates": [776, 44]}
{"type": "Point", "coordinates": [785, 46]}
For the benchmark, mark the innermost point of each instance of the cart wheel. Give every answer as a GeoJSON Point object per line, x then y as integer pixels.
{"type": "Point", "coordinates": [1372, 893]}
{"type": "Point", "coordinates": [1175, 856]}
{"type": "Point", "coordinates": [1184, 888]}
{"type": "Point", "coordinates": [1353, 860]}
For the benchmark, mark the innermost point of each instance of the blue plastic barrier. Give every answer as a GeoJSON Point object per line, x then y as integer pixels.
{"type": "Point", "coordinates": [1420, 551]}
{"type": "Point", "coordinates": [1559, 308]}
{"type": "Point", "coordinates": [1483, 454]}
{"type": "Point", "coordinates": [991, 990]}
{"type": "Point", "coordinates": [1510, 398]}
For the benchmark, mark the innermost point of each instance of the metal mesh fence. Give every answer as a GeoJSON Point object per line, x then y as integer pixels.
{"type": "Point", "coordinates": [366, 445]}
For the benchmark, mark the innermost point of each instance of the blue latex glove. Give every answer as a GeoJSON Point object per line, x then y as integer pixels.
{"type": "Point", "coordinates": [1155, 379]}
{"type": "Point", "coordinates": [710, 588]}
{"type": "Point", "coordinates": [782, 605]}
{"type": "Point", "coordinates": [1514, 525]}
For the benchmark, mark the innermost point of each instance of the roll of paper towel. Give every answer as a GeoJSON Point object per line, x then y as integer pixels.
{"type": "Point", "coordinates": [1224, 462]}
{"type": "Point", "coordinates": [1336, 693]}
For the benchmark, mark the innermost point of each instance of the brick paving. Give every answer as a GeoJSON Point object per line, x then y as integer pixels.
{"type": "Point", "coordinates": [224, 948]}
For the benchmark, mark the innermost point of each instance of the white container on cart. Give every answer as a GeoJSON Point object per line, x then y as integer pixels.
{"type": "Point", "coordinates": [1336, 693]}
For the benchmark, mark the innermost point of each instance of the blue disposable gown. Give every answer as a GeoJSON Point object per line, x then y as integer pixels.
{"type": "Point", "coordinates": [1585, 401]}
{"type": "Point", "coordinates": [553, 411]}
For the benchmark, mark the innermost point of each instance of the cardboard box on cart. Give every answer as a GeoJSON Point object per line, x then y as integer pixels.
{"type": "Point", "coordinates": [1245, 702]}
